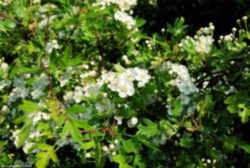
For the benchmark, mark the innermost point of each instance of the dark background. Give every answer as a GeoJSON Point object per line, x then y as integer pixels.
{"type": "Point", "coordinates": [197, 13]}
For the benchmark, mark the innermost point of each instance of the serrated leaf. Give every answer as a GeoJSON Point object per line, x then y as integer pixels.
{"type": "Point", "coordinates": [43, 160]}
{"type": "Point", "coordinates": [2, 143]}
{"type": "Point", "coordinates": [24, 133]}
{"type": "Point", "coordinates": [66, 130]}
{"type": "Point", "coordinates": [144, 140]}
{"type": "Point", "coordinates": [130, 146]}
{"type": "Point", "coordinates": [149, 130]}
{"type": "Point", "coordinates": [88, 145]}
{"type": "Point", "coordinates": [29, 106]}
{"type": "Point", "coordinates": [44, 157]}
{"type": "Point", "coordinates": [76, 133]}
{"type": "Point", "coordinates": [75, 109]}
{"type": "Point", "coordinates": [81, 124]}
{"type": "Point", "coordinates": [120, 159]}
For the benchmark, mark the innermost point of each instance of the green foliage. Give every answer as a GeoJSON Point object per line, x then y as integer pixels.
{"type": "Point", "coordinates": [82, 85]}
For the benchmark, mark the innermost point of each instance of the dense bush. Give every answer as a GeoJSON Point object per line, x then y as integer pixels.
{"type": "Point", "coordinates": [82, 85]}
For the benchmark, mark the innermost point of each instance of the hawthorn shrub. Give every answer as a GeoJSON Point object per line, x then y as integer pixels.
{"type": "Point", "coordinates": [82, 85]}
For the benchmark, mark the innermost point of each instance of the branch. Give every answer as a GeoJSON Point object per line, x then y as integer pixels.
{"type": "Point", "coordinates": [105, 129]}
{"type": "Point", "coordinates": [2, 15]}
{"type": "Point", "coordinates": [100, 49]}
{"type": "Point", "coordinates": [52, 93]}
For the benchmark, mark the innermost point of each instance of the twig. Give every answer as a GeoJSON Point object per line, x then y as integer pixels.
{"type": "Point", "coordinates": [2, 15]}
{"type": "Point", "coordinates": [100, 49]}
{"type": "Point", "coordinates": [52, 93]}
{"type": "Point", "coordinates": [105, 129]}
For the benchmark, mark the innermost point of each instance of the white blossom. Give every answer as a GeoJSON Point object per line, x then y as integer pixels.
{"type": "Point", "coordinates": [51, 45]}
{"type": "Point", "coordinates": [132, 122]}
{"type": "Point", "coordinates": [125, 18]}
{"type": "Point", "coordinates": [27, 146]}
{"type": "Point", "coordinates": [118, 119]}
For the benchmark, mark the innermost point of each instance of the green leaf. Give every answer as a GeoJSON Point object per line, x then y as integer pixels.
{"type": "Point", "coordinates": [67, 55]}
{"type": "Point", "coordinates": [145, 141]}
{"type": "Point", "coordinates": [10, 24]}
{"type": "Point", "coordinates": [44, 157]}
{"type": "Point", "coordinates": [82, 124]}
{"type": "Point", "coordinates": [20, 119]}
{"type": "Point", "coordinates": [120, 159]}
{"type": "Point", "coordinates": [130, 146]}
{"type": "Point", "coordinates": [2, 143]}
{"type": "Point", "coordinates": [66, 130]}
{"type": "Point", "coordinates": [29, 106]}
{"type": "Point", "coordinates": [150, 130]}
{"type": "Point", "coordinates": [76, 108]}
{"type": "Point", "coordinates": [186, 142]}
{"type": "Point", "coordinates": [76, 133]}
{"type": "Point", "coordinates": [24, 133]}
{"type": "Point", "coordinates": [245, 147]}
{"type": "Point", "coordinates": [245, 113]}
{"type": "Point", "coordinates": [88, 145]}
{"type": "Point", "coordinates": [43, 160]}
{"type": "Point", "coordinates": [125, 166]}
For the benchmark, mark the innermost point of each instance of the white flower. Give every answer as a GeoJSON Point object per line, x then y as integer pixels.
{"type": "Point", "coordinates": [184, 99]}
{"type": "Point", "coordinates": [39, 116]}
{"type": "Point", "coordinates": [132, 122]}
{"type": "Point", "coordinates": [91, 90]}
{"type": "Point", "coordinates": [4, 108]}
{"type": "Point", "coordinates": [51, 45]}
{"type": "Point", "coordinates": [126, 89]}
{"type": "Point", "coordinates": [228, 37]}
{"type": "Point", "coordinates": [142, 76]}
{"type": "Point", "coordinates": [104, 105]}
{"type": "Point", "coordinates": [123, 82]}
{"type": "Point", "coordinates": [63, 82]}
{"type": "Point", "coordinates": [116, 141]}
{"type": "Point", "coordinates": [27, 146]}
{"type": "Point", "coordinates": [4, 66]}
{"type": "Point", "coordinates": [187, 88]}
{"type": "Point", "coordinates": [88, 155]}
{"type": "Point", "coordinates": [119, 120]}
{"type": "Point", "coordinates": [15, 135]}
{"type": "Point", "coordinates": [204, 44]}
{"type": "Point", "coordinates": [111, 146]}
{"type": "Point", "coordinates": [35, 134]}
{"type": "Point", "coordinates": [4, 83]}
{"type": "Point", "coordinates": [125, 58]}
{"type": "Point", "coordinates": [123, 4]}
{"type": "Point", "coordinates": [68, 95]}
{"type": "Point", "coordinates": [37, 93]}
{"type": "Point", "coordinates": [78, 94]}
{"type": "Point", "coordinates": [125, 18]}
{"type": "Point", "coordinates": [105, 148]}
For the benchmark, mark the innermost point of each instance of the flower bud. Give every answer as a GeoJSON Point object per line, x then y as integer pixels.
{"type": "Point", "coordinates": [244, 18]}
{"type": "Point", "coordinates": [105, 148]}
{"type": "Point", "coordinates": [111, 146]}
{"type": "Point", "coordinates": [88, 155]}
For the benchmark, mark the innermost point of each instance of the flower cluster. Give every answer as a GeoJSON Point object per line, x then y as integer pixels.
{"type": "Point", "coordinates": [3, 72]}
{"type": "Point", "coordinates": [202, 41]}
{"type": "Point", "coordinates": [123, 4]}
{"type": "Point", "coordinates": [37, 116]}
{"type": "Point", "coordinates": [19, 91]}
{"type": "Point", "coordinates": [111, 148]}
{"type": "Point", "coordinates": [51, 45]}
{"type": "Point", "coordinates": [123, 82]}
{"type": "Point", "coordinates": [185, 85]}
{"type": "Point", "coordinates": [5, 2]}
{"type": "Point", "coordinates": [125, 18]}
{"type": "Point", "coordinates": [183, 80]}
